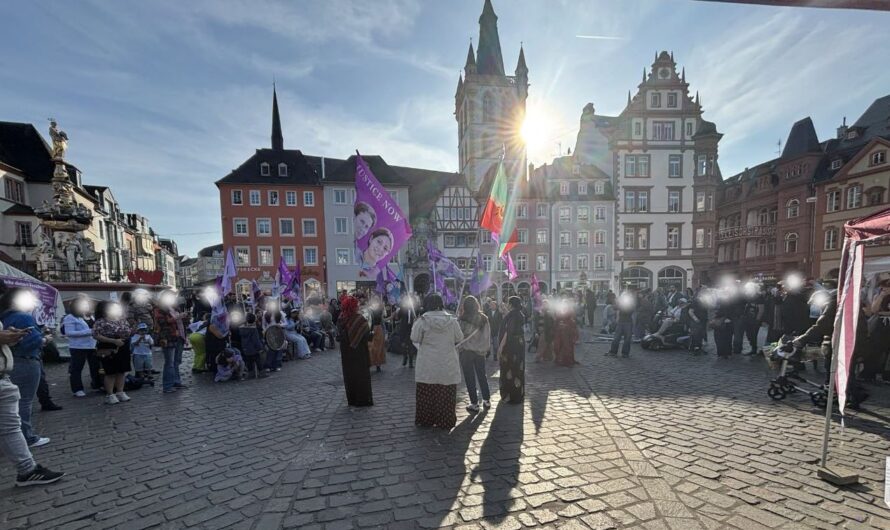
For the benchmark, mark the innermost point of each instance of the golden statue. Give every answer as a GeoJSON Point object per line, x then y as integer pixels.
{"type": "Point", "coordinates": [60, 141]}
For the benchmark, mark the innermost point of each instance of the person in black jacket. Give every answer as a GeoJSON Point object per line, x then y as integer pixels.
{"type": "Point", "coordinates": [627, 306]}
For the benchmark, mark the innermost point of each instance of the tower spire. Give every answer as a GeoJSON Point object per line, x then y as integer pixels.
{"type": "Point", "coordinates": [644, 75]}
{"type": "Point", "coordinates": [628, 98]}
{"type": "Point", "coordinates": [489, 59]}
{"type": "Point", "coordinates": [277, 138]}
{"type": "Point", "coordinates": [521, 68]}
{"type": "Point", "coordinates": [683, 75]}
{"type": "Point", "coordinates": [470, 67]}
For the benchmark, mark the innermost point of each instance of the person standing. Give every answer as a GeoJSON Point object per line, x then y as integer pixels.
{"type": "Point", "coordinates": [590, 306]}
{"type": "Point", "coordinates": [378, 342]}
{"type": "Point", "coordinates": [627, 306]}
{"type": "Point", "coordinates": [472, 350]}
{"type": "Point", "coordinates": [171, 337]}
{"type": "Point", "coordinates": [495, 319]}
{"type": "Point", "coordinates": [112, 333]}
{"type": "Point", "coordinates": [723, 325]}
{"type": "Point", "coordinates": [355, 334]}
{"type": "Point", "coordinates": [565, 335]}
{"type": "Point", "coordinates": [544, 329]}
{"type": "Point", "coordinates": [81, 345]}
{"type": "Point", "coordinates": [438, 366]}
{"type": "Point", "coordinates": [511, 353]}
{"type": "Point", "coordinates": [407, 315]}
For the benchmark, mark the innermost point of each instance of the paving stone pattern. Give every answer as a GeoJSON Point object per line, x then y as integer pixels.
{"type": "Point", "coordinates": [657, 441]}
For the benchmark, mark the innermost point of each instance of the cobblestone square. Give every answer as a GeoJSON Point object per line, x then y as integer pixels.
{"type": "Point", "coordinates": [658, 440]}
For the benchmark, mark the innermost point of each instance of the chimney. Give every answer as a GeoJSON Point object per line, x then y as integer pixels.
{"type": "Point", "coordinates": [842, 130]}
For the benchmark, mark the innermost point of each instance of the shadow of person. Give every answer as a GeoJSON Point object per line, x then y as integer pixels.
{"type": "Point", "coordinates": [498, 467]}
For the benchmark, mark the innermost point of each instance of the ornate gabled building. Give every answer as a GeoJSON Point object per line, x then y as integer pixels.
{"type": "Point", "coordinates": [665, 171]}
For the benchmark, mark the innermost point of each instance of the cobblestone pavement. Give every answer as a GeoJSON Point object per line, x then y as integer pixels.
{"type": "Point", "coordinates": [658, 441]}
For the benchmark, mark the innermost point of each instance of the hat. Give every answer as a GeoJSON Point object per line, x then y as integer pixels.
{"type": "Point", "coordinates": [141, 326]}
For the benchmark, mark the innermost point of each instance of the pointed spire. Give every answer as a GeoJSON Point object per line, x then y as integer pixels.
{"type": "Point", "coordinates": [470, 67]}
{"type": "Point", "coordinates": [656, 56]}
{"type": "Point", "coordinates": [489, 59]}
{"type": "Point", "coordinates": [696, 98]}
{"type": "Point", "coordinates": [628, 97]}
{"type": "Point", "coordinates": [460, 84]}
{"type": "Point", "coordinates": [277, 138]}
{"type": "Point", "coordinates": [644, 75]}
{"type": "Point", "coordinates": [672, 55]}
{"type": "Point", "coordinates": [683, 75]}
{"type": "Point", "coordinates": [521, 68]}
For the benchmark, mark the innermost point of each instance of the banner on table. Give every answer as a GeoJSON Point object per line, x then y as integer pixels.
{"type": "Point", "coordinates": [45, 312]}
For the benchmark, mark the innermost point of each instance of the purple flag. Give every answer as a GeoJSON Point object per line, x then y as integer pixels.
{"type": "Point", "coordinates": [481, 279]}
{"type": "Point", "coordinates": [295, 284]}
{"type": "Point", "coordinates": [439, 286]}
{"type": "Point", "coordinates": [511, 268]}
{"type": "Point", "coordinates": [284, 277]}
{"type": "Point", "coordinates": [388, 284]}
{"type": "Point", "coordinates": [443, 265]}
{"type": "Point", "coordinates": [229, 273]}
{"type": "Point", "coordinates": [379, 224]}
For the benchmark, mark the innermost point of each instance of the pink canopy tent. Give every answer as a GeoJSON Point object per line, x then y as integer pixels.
{"type": "Point", "coordinates": [856, 234]}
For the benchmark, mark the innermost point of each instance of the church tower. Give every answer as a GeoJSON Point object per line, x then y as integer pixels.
{"type": "Point", "coordinates": [489, 107]}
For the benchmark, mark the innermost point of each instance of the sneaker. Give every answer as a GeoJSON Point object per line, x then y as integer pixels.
{"type": "Point", "coordinates": [122, 397]}
{"type": "Point", "coordinates": [49, 407]}
{"type": "Point", "coordinates": [486, 403]}
{"type": "Point", "coordinates": [111, 399]}
{"type": "Point", "coordinates": [472, 408]}
{"type": "Point", "coordinates": [179, 385]}
{"type": "Point", "coordinates": [170, 390]}
{"type": "Point", "coordinates": [38, 476]}
{"type": "Point", "coordinates": [278, 369]}
{"type": "Point", "coordinates": [41, 441]}
{"type": "Point", "coordinates": [625, 355]}
{"type": "Point", "coordinates": [80, 393]}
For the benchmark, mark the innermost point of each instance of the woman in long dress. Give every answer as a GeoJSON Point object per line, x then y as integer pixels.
{"type": "Point", "coordinates": [355, 334]}
{"type": "Point", "coordinates": [511, 353]}
{"type": "Point", "coordinates": [566, 333]}
{"type": "Point", "coordinates": [378, 343]}
{"type": "Point", "coordinates": [438, 367]}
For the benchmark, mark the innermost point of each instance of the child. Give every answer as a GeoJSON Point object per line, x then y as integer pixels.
{"type": "Point", "coordinates": [229, 366]}
{"type": "Point", "coordinates": [141, 344]}
{"type": "Point", "coordinates": [252, 347]}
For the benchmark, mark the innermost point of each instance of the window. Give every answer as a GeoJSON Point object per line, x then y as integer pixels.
{"type": "Point", "coordinates": [486, 237]}
{"type": "Point", "coordinates": [254, 197]}
{"type": "Point", "coordinates": [701, 165]}
{"type": "Point", "coordinates": [836, 164]}
{"type": "Point", "coordinates": [638, 128]}
{"type": "Point", "coordinates": [655, 99]}
{"type": "Point", "coordinates": [642, 201]}
{"type": "Point", "coordinates": [642, 238]}
{"type": "Point", "coordinates": [582, 262]}
{"type": "Point", "coordinates": [237, 199]}
{"type": "Point", "coordinates": [565, 214]}
{"type": "Point", "coordinates": [264, 256]}
{"type": "Point", "coordinates": [791, 243]}
{"type": "Point", "coordinates": [343, 256]}
{"type": "Point", "coordinates": [242, 256]}
{"type": "Point", "coordinates": [310, 255]}
{"type": "Point", "coordinates": [675, 166]}
{"type": "Point", "coordinates": [583, 238]}
{"type": "Point", "coordinates": [542, 236]}
{"type": "Point", "coordinates": [762, 248]}
{"type": "Point", "coordinates": [630, 201]}
{"type": "Point", "coordinates": [541, 209]}
{"type": "Point", "coordinates": [833, 201]}
{"type": "Point", "coordinates": [450, 241]}
{"type": "Point", "coordinates": [23, 234]}
{"type": "Point", "coordinates": [831, 239]}
{"type": "Point", "coordinates": [792, 209]}
{"type": "Point", "coordinates": [488, 110]}
{"type": "Point", "coordinates": [582, 188]}
{"type": "Point", "coordinates": [290, 198]}
{"type": "Point", "coordinates": [541, 262]}
{"type": "Point", "coordinates": [599, 262]}
{"type": "Point", "coordinates": [309, 227]}
{"type": "Point", "coordinates": [339, 196]}
{"type": "Point", "coordinates": [599, 187]}
{"type": "Point", "coordinates": [565, 239]}
{"type": "Point", "coordinates": [630, 165]}
{"type": "Point", "coordinates": [522, 262]}
{"type": "Point", "coordinates": [689, 129]}
{"type": "Point", "coordinates": [700, 201]}
{"type": "Point", "coordinates": [763, 216]}
{"type": "Point", "coordinates": [599, 237]}
{"type": "Point", "coordinates": [563, 188]}
{"type": "Point", "coordinates": [240, 226]}
{"type": "Point", "coordinates": [309, 198]}
{"type": "Point", "coordinates": [662, 130]}
{"type": "Point", "coordinates": [878, 158]}
{"type": "Point", "coordinates": [699, 238]}
{"type": "Point", "coordinates": [854, 197]}
{"type": "Point", "coordinates": [341, 225]}
{"type": "Point", "coordinates": [486, 262]}
{"type": "Point", "coordinates": [672, 100]}
{"type": "Point", "coordinates": [522, 236]}
{"type": "Point", "coordinates": [565, 263]}
{"type": "Point", "coordinates": [273, 198]}
{"type": "Point", "coordinates": [629, 238]}
{"type": "Point", "coordinates": [875, 197]}
{"type": "Point", "coordinates": [636, 165]}
{"type": "Point", "coordinates": [289, 255]}
{"type": "Point", "coordinates": [282, 169]}
{"type": "Point", "coordinates": [599, 213]}
{"type": "Point", "coordinates": [264, 227]}
{"type": "Point", "coordinates": [673, 237]}
{"type": "Point", "coordinates": [286, 227]}
{"type": "Point", "coordinates": [264, 169]}
{"type": "Point", "coordinates": [674, 201]}
{"type": "Point", "coordinates": [583, 214]}
{"type": "Point", "coordinates": [395, 195]}
{"type": "Point", "coordinates": [522, 211]}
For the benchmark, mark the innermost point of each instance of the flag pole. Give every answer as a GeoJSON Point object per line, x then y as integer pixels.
{"type": "Point", "coordinates": [464, 282]}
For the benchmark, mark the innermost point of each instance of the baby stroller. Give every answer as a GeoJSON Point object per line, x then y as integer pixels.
{"type": "Point", "coordinates": [789, 381]}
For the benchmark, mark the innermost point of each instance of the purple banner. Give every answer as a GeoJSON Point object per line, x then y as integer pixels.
{"type": "Point", "coordinates": [380, 226]}
{"type": "Point", "coordinates": [45, 312]}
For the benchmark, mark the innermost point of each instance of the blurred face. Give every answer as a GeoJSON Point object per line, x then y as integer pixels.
{"type": "Point", "coordinates": [361, 224]}
{"type": "Point", "coordinates": [114, 312]}
{"type": "Point", "coordinates": [166, 300]}
{"type": "Point", "coordinates": [25, 301]}
{"type": "Point", "coordinates": [82, 306]}
{"type": "Point", "coordinates": [378, 248]}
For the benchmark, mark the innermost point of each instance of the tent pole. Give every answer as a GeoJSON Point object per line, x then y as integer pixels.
{"type": "Point", "coordinates": [829, 409]}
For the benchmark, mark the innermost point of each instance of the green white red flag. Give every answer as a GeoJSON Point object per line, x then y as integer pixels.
{"type": "Point", "coordinates": [499, 214]}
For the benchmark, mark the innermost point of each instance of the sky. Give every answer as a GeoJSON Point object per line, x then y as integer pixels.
{"type": "Point", "coordinates": [161, 98]}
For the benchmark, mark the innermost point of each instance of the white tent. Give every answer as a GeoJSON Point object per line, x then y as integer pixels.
{"type": "Point", "coordinates": [50, 310]}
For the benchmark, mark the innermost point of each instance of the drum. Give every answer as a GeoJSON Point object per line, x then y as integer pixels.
{"type": "Point", "coordinates": [274, 337]}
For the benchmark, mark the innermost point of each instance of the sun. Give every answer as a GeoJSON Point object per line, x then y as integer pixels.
{"type": "Point", "coordinates": [538, 132]}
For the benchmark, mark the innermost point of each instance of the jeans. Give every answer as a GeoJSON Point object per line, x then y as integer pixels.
{"type": "Point", "coordinates": [744, 327]}
{"type": "Point", "coordinates": [12, 442]}
{"type": "Point", "coordinates": [43, 389]}
{"type": "Point", "coordinates": [172, 360]}
{"type": "Point", "coordinates": [75, 367]}
{"type": "Point", "coordinates": [473, 365]}
{"type": "Point", "coordinates": [623, 331]}
{"type": "Point", "coordinates": [26, 375]}
{"type": "Point", "coordinates": [495, 344]}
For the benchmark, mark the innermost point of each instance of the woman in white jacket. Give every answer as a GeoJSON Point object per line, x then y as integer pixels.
{"type": "Point", "coordinates": [438, 372]}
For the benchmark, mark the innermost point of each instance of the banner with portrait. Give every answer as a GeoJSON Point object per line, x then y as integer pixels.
{"type": "Point", "coordinates": [379, 225]}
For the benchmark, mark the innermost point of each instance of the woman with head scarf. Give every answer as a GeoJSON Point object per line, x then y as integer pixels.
{"type": "Point", "coordinates": [511, 353]}
{"type": "Point", "coordinates": [355, 334]}
{"type": "Point", "coordinates": [438, 368]}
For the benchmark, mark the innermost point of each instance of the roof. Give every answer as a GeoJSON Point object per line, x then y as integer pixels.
{"type": "Point", "coordinates": [23, 148]}
{"type": "Point", "coordinates": [489, 60]}
{"type": "Point", "coordinates": [298, 169]}
{"type": "Point", "coordinates": [562, 168]}
{"type": "Point", "coordinates": [344, 171]}
{"type": "Point", "coordinates": [207, 252]}
{"type": "Point", "coordinates": [19, 209]}
{"type": "Point", "coordinates": [426, 187]}
{"type": "Point", "coordinates": [802, 139]}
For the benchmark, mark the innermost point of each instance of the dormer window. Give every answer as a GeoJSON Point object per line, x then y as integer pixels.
{"type": "Point", "coordinates": [655, 99]}
{"type": "Point", "coordinates": [836, 164]}
{"type": "Point", "coordinates": [599, 187]}
{"type": "Point", "coordinates": [851, 135]}
{"type": "Point", "coordinates": [264, 169]}
{"type": "Point", "coordinates": [878, 158]}
{"type": "Point", "coordinates": [576, 170]}
{"type": "Point", "coordinates": [282, 169]}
